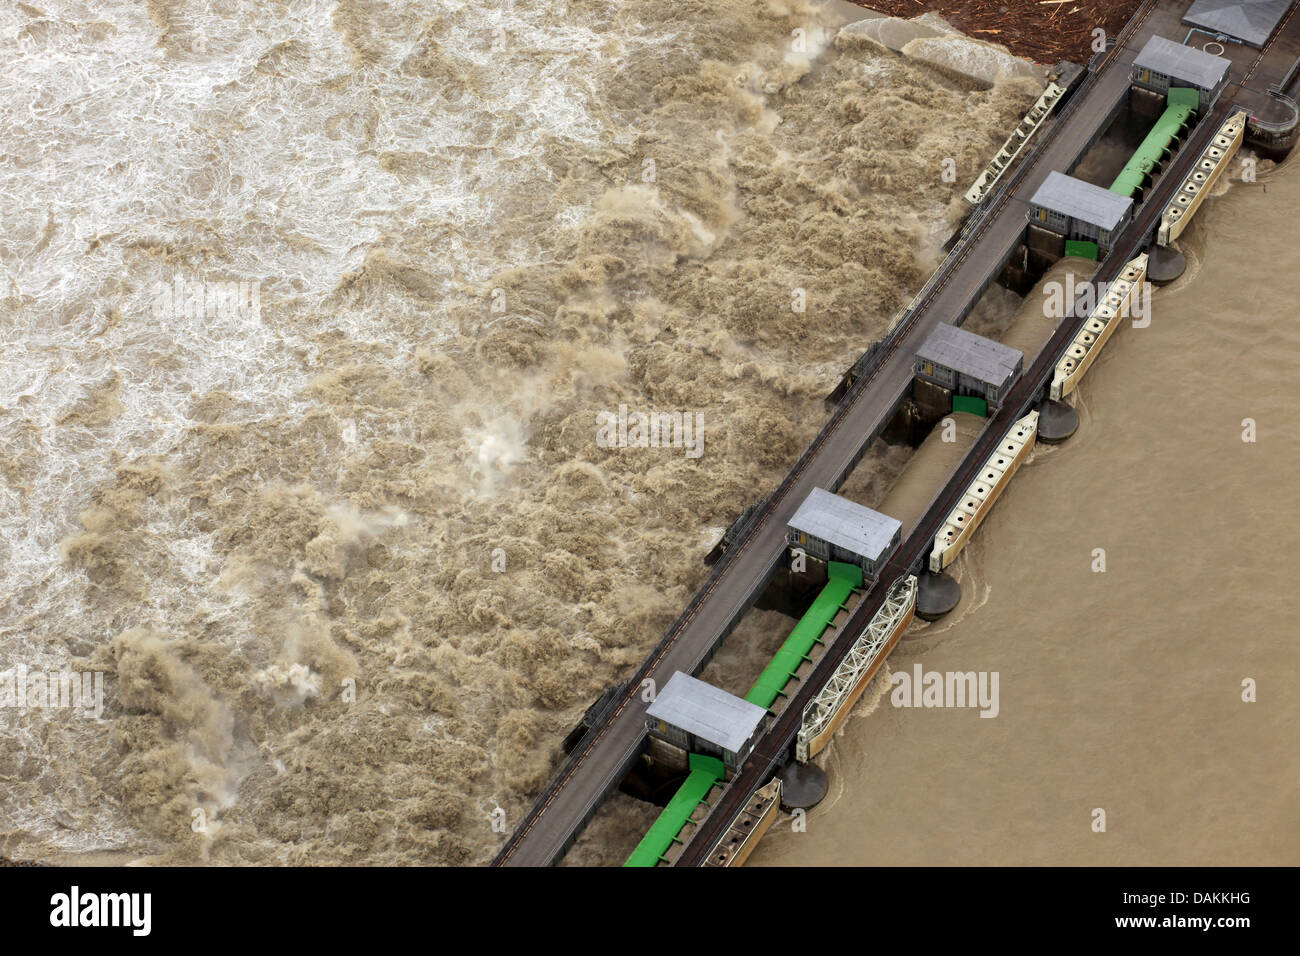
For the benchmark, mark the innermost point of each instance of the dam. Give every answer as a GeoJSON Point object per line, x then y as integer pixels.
{"type": "Point", "coordinates": [1028, 223]}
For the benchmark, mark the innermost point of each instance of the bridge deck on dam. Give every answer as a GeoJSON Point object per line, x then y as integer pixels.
{"type": "Point", "coordinates": [603, 756]}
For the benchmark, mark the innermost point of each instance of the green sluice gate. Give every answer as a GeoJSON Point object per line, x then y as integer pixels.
{"type": "Point", "coordinates": [1180, 109]}
{"type": "Point", "coordinates": [844, 580]}
{"type": "Point", "coordinates": [705, 772]}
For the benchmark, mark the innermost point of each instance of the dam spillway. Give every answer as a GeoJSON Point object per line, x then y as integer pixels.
{"type": "Point", "coordinates": [929, 468]}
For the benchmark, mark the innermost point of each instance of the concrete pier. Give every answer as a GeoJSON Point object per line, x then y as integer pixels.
{"type": "Point", "coordinates": [803, 786]}
{"type": "Point", "coordinates": [1057, 421]}
{"type": "Point", "coordinates": [1165, 264]}
{"type": "Point", "coordinates": [937, 595]}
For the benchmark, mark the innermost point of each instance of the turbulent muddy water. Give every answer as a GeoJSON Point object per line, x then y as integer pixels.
{"type": "Point", "coordinates": [1120, 690]}
{"type": "Point", "coordinates": [342, 539]}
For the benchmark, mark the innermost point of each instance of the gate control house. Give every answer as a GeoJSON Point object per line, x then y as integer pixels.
{"type": "Point", "coordinates": [968, 364]}
{"type": "Point", "coordinates": [703, 719]}
{"type": "Point", "coordinates": [1250, 21]}
{"type": "Point", "coordinates": [1079, 210]}
{"type": "Point", "coordinates": [832, 528]}
{"type": "Point", "coordinates": [1165, 63]}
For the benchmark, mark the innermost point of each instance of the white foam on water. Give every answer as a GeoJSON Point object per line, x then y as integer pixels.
{"type": "Point", "coordinates": [244, 139]}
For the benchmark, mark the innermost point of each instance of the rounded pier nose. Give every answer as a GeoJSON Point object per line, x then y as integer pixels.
{"type": "Point", "coordinates": [803, 786]}
{"type": "Point", "coordinates": [937, 595]}
{"type": "Point", "coordinates": [1165, 265]}
{"type": "Point", "coordinates": [1056, 422]}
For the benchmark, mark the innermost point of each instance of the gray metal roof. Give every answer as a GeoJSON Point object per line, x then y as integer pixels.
{"type": "Point", "coordinates": [848, 524]}
{"type": "Point", "coordinates": [971, 354]}
{"type": "Point", "coordinates": [1180, 62]}
{"type": "Point", "coordinates": [1079, 200]}
{"type": "Point", "coordinates": [1249, 20]}
{"type": "Point", "coordinates": [708, 712]}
